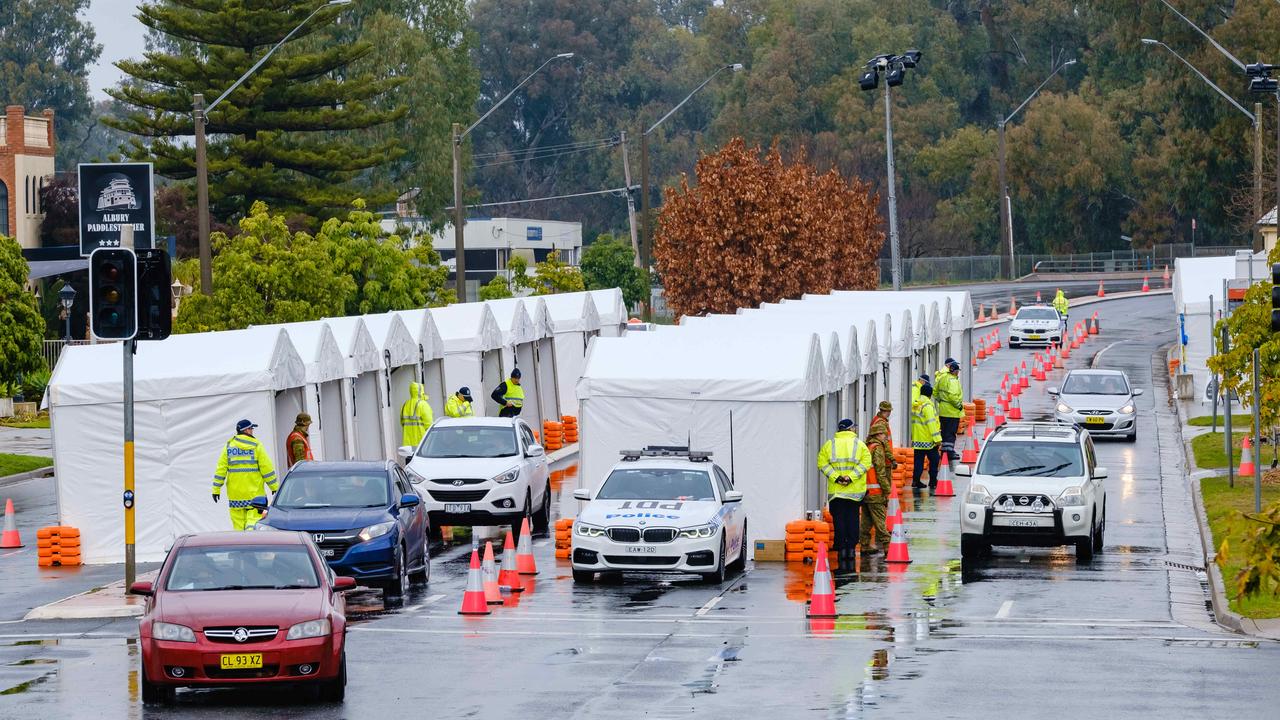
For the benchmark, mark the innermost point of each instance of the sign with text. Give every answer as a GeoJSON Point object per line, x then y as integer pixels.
{"type": "Point", "coordinates": [113, 195]}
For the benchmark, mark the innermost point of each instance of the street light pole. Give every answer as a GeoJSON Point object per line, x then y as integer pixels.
{"type": "Point", "coordinates": [459, 212]}
{"type": "Point", "coordinates": [200, 116]}
{"type": "Point", "coordinates": [896, 270]}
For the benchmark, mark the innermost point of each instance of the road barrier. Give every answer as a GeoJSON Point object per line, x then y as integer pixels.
{"type": "Point", "coordinates": [805, 536]}
{"type": "Point", "coordinates": [564, 538]}
{"type": "Point", "coordinates": [57, 545]}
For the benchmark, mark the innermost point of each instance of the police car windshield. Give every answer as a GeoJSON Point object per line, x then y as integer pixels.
{"type": "Point", "coordinates": [656, 484]}
{"type": "Point", "coordinates": [1031, 459]}
{"type": "Point", "coordinates": [475, 441]}
{"type": "Point", "coordinates": [243, 567]}
{"type": "Point", "coordinates": [1038, 314]}
{"type": "Point", "coordinates": [333, 489]}
{"type": "Point", "coordinates": [1095, 385]}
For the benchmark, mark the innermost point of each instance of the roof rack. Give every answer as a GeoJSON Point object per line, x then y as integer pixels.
{"type": "Point", "coordinates": [667, 451]}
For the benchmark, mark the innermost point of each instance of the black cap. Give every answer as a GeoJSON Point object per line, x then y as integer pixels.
{"type": "Point", "coordinates": [516, 373]}
{"type": "Point", "coordinates": [465, 392]}
{"type": "Point", "coordinates": [845, 424]}
{"type": "Point", "coordinates": [244, 425]}
{"type": "Point", "coordinates": [924, 377]}
{"type": "Point", "coordinates": [926, 390]}
{"type": "Point", "coordinates": [949, 362]}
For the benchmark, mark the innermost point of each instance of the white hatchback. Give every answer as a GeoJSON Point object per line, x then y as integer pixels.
{"type": "Point", "coordinates": [1035, 484]}
{"type": "Point", "coordinates": [661, 510]}
{"type": "Point", "coordinates": [481, 471]}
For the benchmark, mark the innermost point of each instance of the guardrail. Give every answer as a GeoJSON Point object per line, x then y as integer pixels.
{"type": "Point", "coordinates": [52, 350]}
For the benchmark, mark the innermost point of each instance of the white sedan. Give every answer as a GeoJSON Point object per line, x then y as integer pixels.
{"type": "Point", "coordinates": [661, 510]}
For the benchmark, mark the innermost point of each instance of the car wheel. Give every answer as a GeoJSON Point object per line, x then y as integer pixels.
{"type": "Point", "coordinates": [741, 563]}
{"type": "Point", "coordinates": [1084, 546]}
{"type": "Point", "coordinates": [542, 521]}
{"type": "Point", "coordinates": [335, 690]}
{"type": "Point", "coordinates": [971, 547]}
{"type": "Point", "coordinates": [400, 583]}
{"type": "Point", "coordinates": [584, 577]}
{"type": "Point", "coordinates": [156, 693]}
{"type": "Point", "coordinates": [1099, 533]}
{"type": "Point", "coordinates": [1133, 436]}
{"type": "Point", "coordinates": [423, 576]}
{"type": "Point", "coordinates": [718, 575]}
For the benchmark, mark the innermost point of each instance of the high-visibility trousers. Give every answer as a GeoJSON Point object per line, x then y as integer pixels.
{"type": "Point", "coordinates": [244, 518]}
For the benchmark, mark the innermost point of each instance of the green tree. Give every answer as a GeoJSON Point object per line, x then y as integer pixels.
{"type": "Point", "coordinates": [496, 289]}
{"type": "Point", "coordinates": [21, 326]}
{"type": "Point", "coordinates": [276, 138]}
{"type": "Point", "coordinates": [610, 263]}
{"type": "Point", "coordinates": [45, 55]}
{"type": "Point", "coordinates": [552, 276]}
{"type": "Point", "coordinates": [387, 275]}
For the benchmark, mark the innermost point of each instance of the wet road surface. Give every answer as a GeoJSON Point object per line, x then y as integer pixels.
{"type": "Point", "coordinates": [1025, 633]}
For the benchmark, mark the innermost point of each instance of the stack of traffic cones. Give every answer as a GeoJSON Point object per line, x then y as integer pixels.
{"type": "Point", "coordinates": [1246, 458]}
{"type": "Point", "coordinates": [525, 564]}
{"type": "Point", "coordinates": [10, 538]}
{"type": "Point", "coordinates": [489, 576]}
{"type": "Point", "coordinates": [473, 600]}
{"type": "Point", "coordinates": [822, 604]}
{"type": "Point", "coordinates": [509, 576]}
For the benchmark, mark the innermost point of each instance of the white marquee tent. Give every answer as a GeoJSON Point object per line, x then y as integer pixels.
{"type": "Point", "coordinates": [377, 408]}
{"type": "Point", "coordinates": [472, 350]}
{"type": "Point", "coordinates": [574, 322]}
{"type": "Point", "coordinates": [325, 370]}
{"type": "Point", "coordinates": [1198, 285]}
{"type": "Point", "coordinates": [422, 329]}
{"type": "Point", "coordinates": [612, 311]}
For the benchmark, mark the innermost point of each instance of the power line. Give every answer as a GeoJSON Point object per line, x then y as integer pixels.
{"type": "Point", "coordinates": [544, 148]}
{"type": "Point", "coordinates": [611, 191]}
{"type": "Point", "coordinates": [545, 156]}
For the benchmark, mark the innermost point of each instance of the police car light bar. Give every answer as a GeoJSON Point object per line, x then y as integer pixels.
{"type": "Point", "coordinates": [667, 451]}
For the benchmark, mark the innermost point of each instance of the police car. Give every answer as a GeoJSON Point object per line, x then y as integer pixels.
{"type": "Point", "coordinates": [661, 509]}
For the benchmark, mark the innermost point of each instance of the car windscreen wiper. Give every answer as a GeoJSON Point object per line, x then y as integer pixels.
{"type": "Point", "coordinates": [292, 587]}
{"type": "Point", "coordinates": [1055, 468]}
{"type": "Point", "coordinates": [1011, 471]}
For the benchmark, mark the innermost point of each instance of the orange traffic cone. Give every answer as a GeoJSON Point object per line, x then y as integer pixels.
{"type": "Point", "coordinates": [489, 574]}
{"type": "Point", "coordinates": [1013, 306]}
{"type": "Point", "coordinates": [1096, 328]}
{"type": "Point", "coordinates": [10, 537]}
{"type": "Point", "coordinates": [525, 564]}
{"type": "Point", "coordinates": [1101, 292]}
{"type": "Point", "coordinates": [1246, 468]}
{"type": "Point", "coordinates": [898, 552]}
{"type": "Point", "coordinates": [945, 487]}
{"type": "Point", "coordinates": [1145, 286]}
{"type": "Point", "coordinates": [822, 603]}
{"type": "Point", "coordinates": [997, 420]}
{"type": "Point", "coordinates": [893, 512]}
{"type": "Point", "coordinates": [509, 577]}
{"type": "Point", "coordinates": [1015, 410]}
{"type": "Point", "coordinates": [473, 602]}
{"type": "Point", "coordinates": [1066, 352]}
{"type": "Point", "coordinates": [970, 454]}
{"type": "Point", "coordinates": [1166, 276]}
{"type": "Point", "coordinates": [1038, 296]}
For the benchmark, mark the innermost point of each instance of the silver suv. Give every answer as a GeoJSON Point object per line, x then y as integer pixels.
{"type": "Point", "coordinates": [1035, 484]}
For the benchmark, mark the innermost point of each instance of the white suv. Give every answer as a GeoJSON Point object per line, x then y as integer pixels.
{"type": "Point", "coordinates": [481, 471]}
{"type": "Point", "coordinates": [1035, 484]}
{"type": "Point", "coordinates": [1035, 325]}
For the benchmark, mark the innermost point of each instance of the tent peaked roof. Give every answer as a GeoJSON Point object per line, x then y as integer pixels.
{"type": "Point", "coordinates": [467, 327]}
{"type": "Point", "coordinates": [536, 306]}
{"type": "Point", "coordinates": [395, 342]}
{"type": "Point", "coordinates": [609, 306]}
{"type": "Point", "coordinates": [359, 351]}
{"type": "Point", "coordinates": [841, 369]}
{"type": "Point", "coordinates": [318, 348]}
{"type": "Point", "coordinates": [190, 365]}
{"type": "Point", "coordinates": [514, 320]}
{"type": "Point", "coordinates": [688, 366]}
{"type": "Point", "coordinates": [572, 312]}
{"type": "Point", "coordinates": [1195, 280]}
{"type": "Point", "coordinates": [422, 328]}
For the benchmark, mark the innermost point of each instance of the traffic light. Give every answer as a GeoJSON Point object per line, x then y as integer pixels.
{"type": "Point", "coordinates": [1275, 298]}
{"type": "Point", "coordinates": [113, 290]}
{"type": "Point", "coordinates": [155, 317]}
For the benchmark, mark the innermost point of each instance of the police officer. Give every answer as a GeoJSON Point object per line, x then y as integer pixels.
{"type": "Point", "coordinates": [415, 416]}
{"type": "Point", "coordinates": [1062, 306]}
{"type": "Point", "coordinates": [926, 436]}
{"type": "Point", "coordinates": [876, 507]}
{"type": "Point", "coordinates": [509, 396]}
{"type": "Point", "coordinates": [244, 467]}
{"type": "Point", "coordinates": [459, 404]}
{"type": "Point", "coordinates": [298, 444]}
{"type": "Point", "coordinates": [844, 461]}
{"type": "Point", "coordinates": [915, 386]}
{"type": "Point", "coordinates": [949, 397]}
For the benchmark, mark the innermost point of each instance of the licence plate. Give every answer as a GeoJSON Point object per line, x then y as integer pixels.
{"type": "Point", "coordinates": [457, 508]}
{"type": "Point", "coordinates": [643, 549]}
{"type": "Point", "coordinates": [1035, 337]}
{"type": "Point", "coordinates": [1094, 420]}
{"type": "Point", "coordinates": [241, 661]}
{"type": "Point", "coordinates": [1042, 521]}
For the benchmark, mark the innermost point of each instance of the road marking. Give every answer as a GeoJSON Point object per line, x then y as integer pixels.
{"type": "Point", "coordinates": [432, 599]}
{"type": "Point", "coordinates": [1003, 612]}
{"type": "Point", "coordinates": [1098, 358]}
{"type": "Point", "coordinates": [710, 604]}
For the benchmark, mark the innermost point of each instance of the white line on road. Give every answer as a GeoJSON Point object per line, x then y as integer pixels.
{"type": "Point", "coordinates": [1003, 612]}
{"type": "Point", "coordinates": [1098, 358]}
{"type": "Point", "coordinates": [710, 604]}
{"type": "Point", "coordinates": [432, 599]}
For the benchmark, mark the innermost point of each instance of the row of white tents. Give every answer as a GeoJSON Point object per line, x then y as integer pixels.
{"type": "Point", "coordinates": [764, 388]}
{"type": "Point", "coordinates": [351, 374]}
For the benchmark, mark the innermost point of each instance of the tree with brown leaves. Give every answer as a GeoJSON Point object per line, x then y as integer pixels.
{"type": "Point", "coordinates": [755, 229]}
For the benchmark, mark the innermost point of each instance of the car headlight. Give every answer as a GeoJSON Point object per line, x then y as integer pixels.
{"type": "Point", "coordinates": [308, 629]}
{"type": "Point", "coordinates": [1071, 497]}
{"type": "Point", "coordinates": [588, 530]}
{"type": "Point", "coordinates": [508, 476]}
{"type": "Point", "coordinates": [1127, 409]}
{"type": "Point", "coordinates": [696, 533]}
{"type": "Point", "coordinates": [978, 495]}
{"type": "Point", "coordinates": [374, 531]}
{"type": "Point", "coordinates": [172, 632]}
{"type": "Point", "coordinates": [1064, 408]}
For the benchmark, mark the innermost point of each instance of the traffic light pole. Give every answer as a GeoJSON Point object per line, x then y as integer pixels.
{"type": "Point", "coordinates": [1257, 435]}
{"type": "Point", "coordinates": [130, 567]}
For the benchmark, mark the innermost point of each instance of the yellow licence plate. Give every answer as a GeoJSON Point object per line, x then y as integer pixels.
{"type": "Point", "coordinates": [1094, 420]}
{"type": "Point", "coordinates": [1035, 337]}
{"type": "Point", "coordinates": [241, 661]}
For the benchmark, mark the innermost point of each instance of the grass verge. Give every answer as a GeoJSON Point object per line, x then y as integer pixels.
{"type": "Point", "coordinates": [1225, 508]}
{"type": "Point", "coordinates": [1237, 421]}
{"type": "Point", "coordinates": [1209, 453]}
{"type": "Point", "coordinates": [14, 464]}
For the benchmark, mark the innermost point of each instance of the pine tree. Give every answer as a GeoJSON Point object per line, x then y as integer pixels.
{"type": "Point", "coordinates": [273, 138]}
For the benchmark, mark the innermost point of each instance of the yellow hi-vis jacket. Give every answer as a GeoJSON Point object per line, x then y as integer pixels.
{"type": "Point", "coordinates": [244, 467]}
{"type": "Point", "coordinates": [926, 431]}
{"type": "Point", "coordinates": [457, 407]}
{"type": "Point", "coordinates": [1060, 303]}
{"type": "Point", "coordinates": [415, 416]}
{"type": "Point", "coordinates": [948, 394]}
{"type": "Point", "coordinates": [845, 455]}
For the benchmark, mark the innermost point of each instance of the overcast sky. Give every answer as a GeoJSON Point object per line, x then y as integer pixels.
{"type": "Point", "coordinates": [120, 35]}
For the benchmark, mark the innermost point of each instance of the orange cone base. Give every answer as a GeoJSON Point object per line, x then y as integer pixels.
{"type": "Point", "coordinates": [944, 489]}
{"type": "Point", "coordinates": [10, 539]}
{"type": "Point", "coordinates": [510, 581]}
{"type": "Point", "coordinates": [898, 554]}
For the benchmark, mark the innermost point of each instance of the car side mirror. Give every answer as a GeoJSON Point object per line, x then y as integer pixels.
{"type": "Point", "coordinates": [409, 500]}
{"type": "Point", "coordinates": [733, 496]}
{"type": "Point", "coordinates": [1054, 391]}
{"type": "Point", "coordinates": [259, 503]}
{"type": "Point", "coordinates": [1138, 391]}
{"type": "Point", "coordinates": [343, 583]}
{"type": "Point", "coordinates": [535, 451]}
{"type": "Point", "coordinates": [582, 494]}
{"type": "Point", "coordinates": [141, 588]}
{"type": "Point", "coordinates": [404, 452]}
{"type": "Point", "coordinates": [1099, 473]}
{"type": "Point", "coordinates": [964, 471]}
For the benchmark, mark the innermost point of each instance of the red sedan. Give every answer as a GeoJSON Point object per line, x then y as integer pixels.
{"type": "Point", "coordinates": [231, 608]}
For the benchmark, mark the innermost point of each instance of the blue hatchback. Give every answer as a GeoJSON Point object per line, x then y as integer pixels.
{"type": "Point", "coordinates": [365, 518]}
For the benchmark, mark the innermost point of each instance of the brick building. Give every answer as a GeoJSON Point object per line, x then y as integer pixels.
{"type": "Point", "coordinates": [26, 163]}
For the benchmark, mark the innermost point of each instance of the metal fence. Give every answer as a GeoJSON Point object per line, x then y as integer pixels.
{"type": "Point", "coordinates": [52, 350]}
{"type": "Point", "coordinates": [980, 268]}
